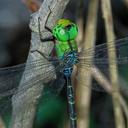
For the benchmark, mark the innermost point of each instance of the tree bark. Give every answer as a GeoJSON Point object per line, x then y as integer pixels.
{"type": "Point", "coordinates": [24, 103]}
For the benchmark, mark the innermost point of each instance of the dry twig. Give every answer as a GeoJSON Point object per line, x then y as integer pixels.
{"type": "Point", "coordinates": [80, 22]}
{"type": "Point", "coordinates": [84, 94]}
{"type": "Point", "coordinates": [105, 84]}
{"type": "Point", "coordinates": [107, 15]}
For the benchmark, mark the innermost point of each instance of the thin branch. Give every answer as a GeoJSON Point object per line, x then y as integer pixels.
{"type": "Point", "coordinates": [107, 15]}
{"type": "Point", "coordinates": [80, 22]}
{"type": "Point", "coordinates": [104, 82]}
{"type": "Point", "coordinates": [24, 104]}
{"type": "Point", "coordinates": [101, 79]}
{"type": "Point", "coordinates": [83, 94]}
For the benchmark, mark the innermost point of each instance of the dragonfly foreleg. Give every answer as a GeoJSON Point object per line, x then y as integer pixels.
{"type": "Point", "coordinates": [51, 38]}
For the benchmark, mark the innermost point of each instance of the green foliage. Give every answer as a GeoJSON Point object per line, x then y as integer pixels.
{"type": "Point", "coordinates": [6, 110]}
{"type": "Point", "coordinates": [51, 112]}
{"type": "Point", "coordinates": [92, 122]}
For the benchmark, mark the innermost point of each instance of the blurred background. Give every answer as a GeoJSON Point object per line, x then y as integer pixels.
{"type": "Point", "coordinates": [15, 38]}
{"type": "Point", "coordinates": [14, 32]}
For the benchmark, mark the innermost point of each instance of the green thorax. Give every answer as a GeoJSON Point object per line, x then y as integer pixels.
{"type": "Point", "coordinates": [63, 47]}
{"type": "Point", "coordinates": [65, 33]}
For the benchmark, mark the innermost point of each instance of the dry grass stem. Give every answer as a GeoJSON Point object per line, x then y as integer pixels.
{"type": "Point", "coordinates": [84, 94]}
{"type": "Point", "coordinates": [107, 15]}
{"type": "Point", "coordinates": [80, 22]}
{"type": "Point", "coordinates": [105, 84]}
{"type": "Point", "coordinates": [101, 79]}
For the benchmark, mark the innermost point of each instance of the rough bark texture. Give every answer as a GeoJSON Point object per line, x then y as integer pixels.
{"type": "Point", "coordinates": [24, 104]}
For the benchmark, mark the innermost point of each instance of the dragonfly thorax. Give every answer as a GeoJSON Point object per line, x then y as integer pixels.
{"type": "Point", "coordinates": [69, 60]}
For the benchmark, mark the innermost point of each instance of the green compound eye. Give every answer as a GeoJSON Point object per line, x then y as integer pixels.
{"type": "Point", "coordinates": [65, 30]}
{"type": "Point", "coordinates": [60, 33]}
{"type": "Point", "coordinates": [73, 31]}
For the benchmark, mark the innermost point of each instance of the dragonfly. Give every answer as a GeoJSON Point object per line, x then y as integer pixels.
{"type": "Point", "coordinates": [67, 55]}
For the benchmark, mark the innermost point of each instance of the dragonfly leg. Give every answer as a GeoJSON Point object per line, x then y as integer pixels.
{"type": "Point", "coordinates": [51, 38]}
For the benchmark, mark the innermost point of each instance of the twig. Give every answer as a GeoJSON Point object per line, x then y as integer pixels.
{"type": "Point", "coordinates": [24, 104]}
{"type": "Point", "coordinates": [107, 15]}
{"type": "Point", "coordinates": [83, 94]}
{"type": "Point", "coordinates": [80, 22]}
{"type": "Point", "coordinates": [103, 81]}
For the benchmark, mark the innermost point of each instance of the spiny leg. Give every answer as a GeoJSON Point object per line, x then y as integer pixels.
{"type": "Point", "coordinates": [51, 38]}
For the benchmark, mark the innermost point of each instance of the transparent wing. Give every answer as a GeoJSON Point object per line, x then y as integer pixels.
{"type": "Point", "coordinates": [11, 76]}
{"type": "Point", "coordinates": [101, 61]}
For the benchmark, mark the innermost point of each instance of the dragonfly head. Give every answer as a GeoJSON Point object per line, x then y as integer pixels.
{"type": "Point", "coordinates": [65, 30]}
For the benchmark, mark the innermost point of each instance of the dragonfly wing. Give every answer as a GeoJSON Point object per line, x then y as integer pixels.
{"type": "Point", "coordinates": [10, 79]}
{"type": "Point", "coordinates": [11, 76]}
{"type": "Point", "coordinates": [98, 56]}
{"type": "Point", "coordinates": [100, 53]}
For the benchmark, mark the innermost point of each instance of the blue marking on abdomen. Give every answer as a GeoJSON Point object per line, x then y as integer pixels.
{"type": "Point", "coordinates": [67, 71]}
